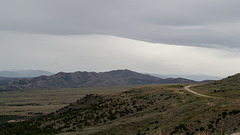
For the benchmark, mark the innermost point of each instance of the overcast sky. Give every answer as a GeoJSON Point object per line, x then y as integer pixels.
{"type": "Point", "coordinates": [155, 36]}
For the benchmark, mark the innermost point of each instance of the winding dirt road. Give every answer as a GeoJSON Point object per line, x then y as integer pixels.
{"type": "Point", "coordinates": [188, 89]}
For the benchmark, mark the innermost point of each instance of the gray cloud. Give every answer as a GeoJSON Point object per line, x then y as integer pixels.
{"type": "Point", "coordinates": [214, 23]}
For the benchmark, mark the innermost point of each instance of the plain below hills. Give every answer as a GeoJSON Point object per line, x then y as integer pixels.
{"type": "Point", "coordinates": [86, 79]}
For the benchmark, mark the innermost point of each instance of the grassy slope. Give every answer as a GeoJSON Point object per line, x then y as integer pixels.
{"type": "Point", "coordinates": [145, 110]}
{"type": "Point", "coordinates": [228, 87]}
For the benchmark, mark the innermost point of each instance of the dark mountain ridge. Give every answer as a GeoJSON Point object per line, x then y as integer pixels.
{"type": "Point", "coordinates": [86, 79]}
{"type": "Point", "coordinates": [5, 80]}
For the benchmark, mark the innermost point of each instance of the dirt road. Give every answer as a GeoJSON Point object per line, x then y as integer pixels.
{"type": "Point", "coordinates": [188, 89]}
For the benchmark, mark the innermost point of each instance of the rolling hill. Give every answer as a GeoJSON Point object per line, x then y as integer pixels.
{"type": "Point", "coordinates": [227, 87]}
{"type": "Point", "coordinates": [86, 79]}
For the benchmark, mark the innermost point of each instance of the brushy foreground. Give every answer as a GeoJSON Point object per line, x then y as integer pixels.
{"type": "Point", "coordinates": [167, 109]}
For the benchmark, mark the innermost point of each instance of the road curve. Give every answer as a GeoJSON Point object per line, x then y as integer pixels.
{"type": "Point", "coordinates": [188, 89]}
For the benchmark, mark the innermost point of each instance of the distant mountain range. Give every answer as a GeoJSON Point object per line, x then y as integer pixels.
{"type": "Point", "coordinates": [24, 73]}
{"type": "Point", "coordinates": [191, 77]}
{"type": "Point", "coordinates": [85, 79]}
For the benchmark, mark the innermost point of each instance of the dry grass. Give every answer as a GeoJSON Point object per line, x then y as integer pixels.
{"type": "Point", "coordinates": [30, 102]}
{"type": "Point", "coordinates": [166, 109]}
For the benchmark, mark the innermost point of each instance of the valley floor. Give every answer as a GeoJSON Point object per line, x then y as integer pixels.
{"type": "Point", "coordinates": [22, 104]}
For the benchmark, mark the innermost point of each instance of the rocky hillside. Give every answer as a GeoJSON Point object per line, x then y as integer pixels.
{"type": "Point", "coordinates": [4, 80]}
{"type": "Point", "coordinates": [85, 79]}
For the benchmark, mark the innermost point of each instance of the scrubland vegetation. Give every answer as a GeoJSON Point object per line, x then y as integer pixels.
{"type": "Point", "coordinates": [29, 103]}
{"type": "Point", "coordinates": [226, 88]}
{"type": "Point", "coordinates": [164, 109]}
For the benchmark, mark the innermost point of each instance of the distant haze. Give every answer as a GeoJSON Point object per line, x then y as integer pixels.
{"type": "Point", "coordinates": [192, 77]}
{"type": "Point", "coordinates": [24, 73]}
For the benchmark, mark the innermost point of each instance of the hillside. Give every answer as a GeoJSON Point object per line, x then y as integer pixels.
{"type": "Point", "coordinates": [227, 87]}
{"type": "Point", "coordinates": [85, 79]}
{"type": "Point", "coordinates": [152, 110]}
{"type": "Point", "coordinates": [4, 80]}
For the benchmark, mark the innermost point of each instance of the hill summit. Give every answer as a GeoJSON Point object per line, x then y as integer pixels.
{"type": "Point", "coordinates": [86, 79]}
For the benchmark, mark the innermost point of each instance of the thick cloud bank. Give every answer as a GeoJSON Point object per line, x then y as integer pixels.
{"type": "Point", "coordinates": [214, 23]}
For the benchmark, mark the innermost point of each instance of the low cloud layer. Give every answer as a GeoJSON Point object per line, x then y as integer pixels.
{"type": "Point", "coordinates": [204, 23]}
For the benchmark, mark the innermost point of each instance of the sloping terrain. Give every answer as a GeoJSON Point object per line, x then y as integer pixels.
{"type": "Point", "coordinates": [149, 110]}
{"type": "Point", "coordinates": [228, 87]}
{"type": "Point", "coordinates": [4, 80]}
{"type": "Point", "coordinates": [85, 79]}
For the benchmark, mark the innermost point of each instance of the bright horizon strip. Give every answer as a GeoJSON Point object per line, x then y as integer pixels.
{"type": "Point", "coordinates": [103, 53]}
